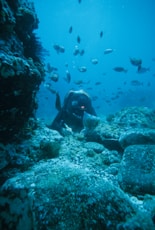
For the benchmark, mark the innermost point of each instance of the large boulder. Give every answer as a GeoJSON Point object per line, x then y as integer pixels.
{"type": "Point", "coordinates": [60, 195]}
{"type": "Point", "coordinates": [137, 169]}
{"type": "Point", "coordinates": [137, 137]}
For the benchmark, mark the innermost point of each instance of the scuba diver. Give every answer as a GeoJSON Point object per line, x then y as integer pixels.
{"type": "Point", "coordinates": [71, 114]}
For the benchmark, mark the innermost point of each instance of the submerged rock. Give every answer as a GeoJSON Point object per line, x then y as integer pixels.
{"type": "Point", "coordinates": [60, 195]}
{"type": "Point", "coordinates": [69, 183]}
{"type": "Point", "coordinates": [137, 136]}
{"type": "Point", "coordinates": [105, 134]}
{"type": "Point", "coordinates": [137, 169]}
{"type": "Point", "coordinates": [135, 117]}
{"type": "Point", "coordinates": [98, 148]}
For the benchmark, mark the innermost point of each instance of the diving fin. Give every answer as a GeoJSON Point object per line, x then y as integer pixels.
{"type": "Point", "coordinates": [58, 102]}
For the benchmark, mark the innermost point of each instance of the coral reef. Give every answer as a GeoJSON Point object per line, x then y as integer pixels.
{"type": "Point", "coordinates": [21, 68]}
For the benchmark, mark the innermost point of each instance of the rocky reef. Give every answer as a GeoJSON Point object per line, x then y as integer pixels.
{"type": "Point", "coordinates": [21, 68]}
{"type": "Point", "coordinates": [101, 178]}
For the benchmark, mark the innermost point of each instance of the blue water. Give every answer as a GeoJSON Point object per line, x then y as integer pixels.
{"type": "Point", "coordinates": [128, 28]}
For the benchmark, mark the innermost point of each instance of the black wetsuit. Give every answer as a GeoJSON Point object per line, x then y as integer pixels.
{"type": "Point", "coordinates": [71, 114]}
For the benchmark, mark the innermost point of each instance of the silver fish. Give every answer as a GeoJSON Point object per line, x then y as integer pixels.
{"type": "Point", "coordinates": [135, 61]}
{"type": "Point", "coordinates": [76, 51]}
{"type": "Point", "coordinates": [82, 69]}
{"type": "Point", "coordinates": [54, 77]}
{"type": "Point", "coordinates": [94, 61]}
{"type": "Point", "coordinates": [108, 51]}
{"type": "Point", "coordinates": [68, 77]}
{"type": "Point", "coordinates": [136, 83]}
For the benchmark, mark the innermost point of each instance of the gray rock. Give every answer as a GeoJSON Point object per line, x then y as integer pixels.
{"type": "Point", "coordinates": [110, 157]}
{"type": "Point", "coordinates": [98, 148]}
{"type": "Point", "coordinates": [137, 137]}
{"type": "Point", "coordinates": [60, 195]}
{"type": "Point", "coordinates": [45, 143]}
{"type": "Point", "coordinates": [134, 117]}
{"type": "Point", "coordinates": [137, 169]}
{"type": "Point", "coordinates": [50, 149]}
{"type": "Point", "coordinates": [106, 135]}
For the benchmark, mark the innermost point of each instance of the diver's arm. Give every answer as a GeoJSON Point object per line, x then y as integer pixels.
{"type": "Point", "coordinates": [90, 109]}
{"type": "Point", "coordinates": [60, 125]}
{"type": "Point", "coordinates": [58, 122]}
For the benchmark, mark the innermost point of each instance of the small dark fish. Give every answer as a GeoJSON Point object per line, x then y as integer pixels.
{"type": "Point", "coordinates": [58, 102]}
{"type": "Point", "coordinates": [59, 49]}
{"type": "Point", "coordinates": [108, 51]}
{"type": "Point", "coordinates": [79, 1]}
{"type": "Point", "coordinates": [78, 39]}
{"type": "Point", "coordinates": [50, 68]}
{"type": "Point", "coordinates": [136, 83]}
{"type": "Point", "coordinates": [142, 69]}
{"type": "Point", "coordinates": [49, 87]}
{"type": "Point", "coordinates": [120, 69]}
{"type": "Point", "coordinates": [98, 83]}
{"type": "Point", "coordinates": [76, 51]}
{"type": "Point", "coordinates": [68, 77]}
{"type": "Point", "coordinates": [82, 69]}
{"type": "Point", "coordinates": [79, 82]}
{"type": "Point", "coordinates": [54, 77]}
{"type": "Point", "coordinates": [70, 29]}
{"type": "Point", "coordinates": [101, 34]}
{"type": "Point", "coordinates": [135, 61]}
{"type": "Point", "coordinates": [56, 47]}
{"type": "Point", "coordinates": [82, 52]}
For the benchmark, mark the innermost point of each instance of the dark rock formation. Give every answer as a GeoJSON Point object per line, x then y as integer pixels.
{"type": "Point", "coordinates": [21, 69]}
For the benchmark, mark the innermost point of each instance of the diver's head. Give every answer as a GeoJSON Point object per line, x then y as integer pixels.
{"type": "Point", "coordinates": [77, 103]}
